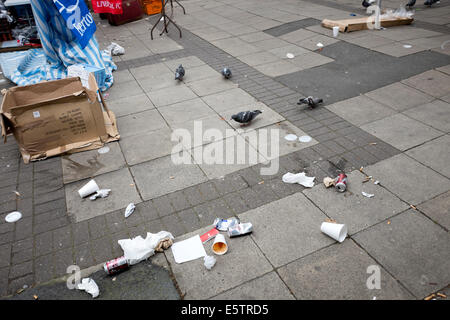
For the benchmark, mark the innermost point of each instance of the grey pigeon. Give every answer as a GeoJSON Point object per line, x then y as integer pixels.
{"type": "Point", "coordinates": [245, 117]}
{"type": "Point", "coordinates": [179, 73]}
{"type": "Point", "coordinates": [367, 4]}
{"type": "Point", "coordinates": [429, 2]}
{"type": "Point", "coordinates": [226, 72]}
{"type": "Point", "coordinates": [411, 3]}
{"type": "Point", "coordinates": [310, 101]}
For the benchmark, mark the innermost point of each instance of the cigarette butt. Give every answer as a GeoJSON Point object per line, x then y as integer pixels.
{"type": "Point", "coordinates": [430, 297]}
{"type": "Point", "coordinates": [441, 295]}
{"type": "Point", "coordinates": [373, 143]}
{"type": "Point", "coordinates": [389, 222]}
{"type": "Point", "coordinates": [413, 207]}
{"type": "Point", "coordinates": [261, 182]}
{"type": "Point", "coordinates": [35, 297]}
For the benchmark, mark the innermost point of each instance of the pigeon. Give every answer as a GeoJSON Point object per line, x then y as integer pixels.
{"type": "Point", "coordinates": [367, 3]}
{"type": "Point", "coordinates": [411, 3]}
{"type": "Point", "coordinates": [245, 117]}
{"type": "Point", "coordinates": [310, 101]}
{"type": "Point", "coordinates": [226, 72]}
{"type": "Point", "coordinates": [429, 2]}
{"type": "Point", "coordinates": [179, 73]}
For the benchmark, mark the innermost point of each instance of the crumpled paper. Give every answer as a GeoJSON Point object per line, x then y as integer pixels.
{"type": "Point", "coordinates": [299, 178]}
{"type": "Point", "coordinates": [138, 249]}
{"type": "Point", "coordinates": [210, 262]}
{"type": "Point", "coordinates": [115, 49]}
{"type": "Point", "coordinates": [328, 182]}
{"type": "Point", "coordinates": [89, 285]}
{"type": "Point", "coordinates": [129, 210]}
{"type": "Point", "coordinates": [102, 193]}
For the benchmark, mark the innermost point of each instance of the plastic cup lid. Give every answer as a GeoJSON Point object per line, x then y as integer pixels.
{"type": "Point", "coordinates": [291, 137]}
{"type": "Point", "coordinates": [305, 139]}
{"type": "Point", "coordinates": [13, 216]}
{"type": "Point", "coordinates": [290, 55]}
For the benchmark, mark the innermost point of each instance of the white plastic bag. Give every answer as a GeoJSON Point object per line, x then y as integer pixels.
{"type": "Point", "coordinates": [89, 285]}
{"type": "Point", "coordinates": [210, 262]}
{"type": "Point", "coordinates": [139, 249]}
{"type": "Point", "coordinates": [299, 178]}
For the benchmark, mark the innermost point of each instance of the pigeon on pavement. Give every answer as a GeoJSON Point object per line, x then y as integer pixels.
{"type": "Point", "coordinates": [179, 73]}
{"type": "Point", "coordinates": [226, 72]}
{"type": "Point", "coordinates": [245, 117]}
{"type": "Point", "coordinates": [310, 101]}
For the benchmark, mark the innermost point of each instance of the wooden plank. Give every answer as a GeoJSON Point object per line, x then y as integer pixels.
{"type": "Point", "coordinates": [355, 24]}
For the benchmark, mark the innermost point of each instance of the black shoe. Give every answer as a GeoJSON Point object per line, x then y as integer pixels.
{"type": "Point", "coordinates": [411, 3]}
{"type": "Point", "coordinates": [430, 2]}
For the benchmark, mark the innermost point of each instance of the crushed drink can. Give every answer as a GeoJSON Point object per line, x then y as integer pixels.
{"type": "Point", "coordinates": [341, 182]}
{"type": "Point", "coordinates": [224, 224]}
{"type": "Point", "coordinates": [240, 229]}
{"type": "Point", "coordinates": [116, 265]}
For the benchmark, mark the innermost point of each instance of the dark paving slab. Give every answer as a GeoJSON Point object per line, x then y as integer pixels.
{"type": "Point", "coordinates": [357, 70]}
{"type": "Point", "coordinates": [291, 26]}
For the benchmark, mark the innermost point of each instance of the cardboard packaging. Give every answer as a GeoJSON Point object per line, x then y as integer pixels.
{"type": "Point", "coordinates": [56, 117]}
{"type": "Point", "coordinates": [356, 24]}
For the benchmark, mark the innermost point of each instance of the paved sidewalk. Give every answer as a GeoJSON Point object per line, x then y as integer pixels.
{"type": "Point", "coordinates": [386, 114]}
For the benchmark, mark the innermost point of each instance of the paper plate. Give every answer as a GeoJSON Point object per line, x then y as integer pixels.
{"type": "Point", "coordinates": [13, 216]}
{"type": "Point", "coordinates": [291, 137]}
{"type": "Point", "coordinates": [305, 139]}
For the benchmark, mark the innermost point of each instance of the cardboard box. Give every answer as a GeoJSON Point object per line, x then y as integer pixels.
{"type": "Point", "coordinates": [355, 24]}
{"type": "Point", "coordinates": [56, 117]}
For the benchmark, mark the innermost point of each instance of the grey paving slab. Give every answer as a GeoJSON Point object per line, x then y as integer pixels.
{"type": "Point", "coordinates": [138, 123]}
{"type": "Point", "coordinates": [231, 270]}
{"type": "Point", "coordinates": [147, 146]}
{"type": "Point", "coordinates": [123, 191]}
{"type": "Point", "coordinates": [401, 131]}
{"type": "Point", "coordinates": [339, 272]}
{"type": "Point", "coordinates": [200, 73]}
{"type": "Point", "coordinates": [310, 60]}
{"type": "Point", "coordinates": [159, 45]}
{"type": "Point", "coordinates": [438, 209]}
{"type": "Point", "coordinates": [158, 82]}
{"type": "Point", "coordinates": [189, 110]}
{"type": "Point", "coordinates": [235, 46]}
{"type": "Point", "coordinates": [298, 35]}
{"type": "Point", "coordinates": [82, 165]}
{"type": "Point", "coordinates": [178, 93]}
{"type": "Point", "coordinates": [434, 83]}
{"type": "Point", "coordinates": [270, 44]}
{"type": "Point", "coordinates": [267, 287]}
{"type": "Point", "coordinates": [122, 90]}
{"type": "Point", "coordinates": [281, 52]}
{"type": "Point", "coordinates": [273, 145]}
{"type": "Point", "coordinates": [415, 250]}
{"type": "Point", "coordinates": [434, 154]}
{"type": "Point", "coordinates": [223, 100]}
{"type": "Point", "coordinates": [277, 68]}
{"type": "Point", "coordinates": [258, 58]}
{"type": "Point", "coordinates": [273, 233]}
{"type": "Point", "coordinates": [435, 114]}
{"type": "Point", "coordinates": [370, 41]}
{"type": "Point", "coordinates": [360, 110]}
{"type": "Point", "coordinates": [398, 49]}
{"type": "Point", "coordinates": [202, 131]}
{"type": "Point", "coordinates": [444, 69]}
{"type": "Point", "coordinates": [255, 36]}
{"type": "Point", "coordinates": [170, 176]}
{"type": "Point", "coordinates": [401, 33]}
{"type": "Point", "coordinates": [408, 179]}
{"type": "Point", "coordinates": [351, 207]}
{"type": "Point", "coordinates": [311, 42]}
{"type": "Point", "coordinates": [399, 96]}
{"type": "Point", "coordinates": [128, 105]}
{"type": "Point", "coordinates": [207, 87]}
{"type": "Point", "coordinates": [220, 158]}
{"type": "Point", "coordinates": [188, 62]}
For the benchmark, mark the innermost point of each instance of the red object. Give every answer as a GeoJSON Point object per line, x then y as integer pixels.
{"type": "Point", "coordinates": [341, 182]}
{"type": "Point", "coordinates": [132, 10]}
{"type": "Point", "coordinates": [209, 235]}
{"type": "Point", "coordinates": [116, 265]}
{"type": "Point", "coordinates": [107, 6]}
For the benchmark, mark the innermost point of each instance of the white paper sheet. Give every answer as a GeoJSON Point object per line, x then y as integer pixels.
{"type": "Point", "coordinates": [189, 249]}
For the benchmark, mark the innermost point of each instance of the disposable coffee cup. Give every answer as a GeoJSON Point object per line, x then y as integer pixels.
{"type": "Point", "coordinates": [88, 189]}
{"type": "Point", "coordinates": [219, 246]}
{"type": "Point", "coordinates": [336, 231]}
{"type": "Point", "coordinates": [335, 31]}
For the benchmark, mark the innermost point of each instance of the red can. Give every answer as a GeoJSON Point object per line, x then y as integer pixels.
{"type": "Point", "coordinates": [341, 182]}
{"type": "Point", "coordinates": [116, 265]}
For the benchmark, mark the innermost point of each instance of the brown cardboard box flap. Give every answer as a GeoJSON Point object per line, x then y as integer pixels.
{"type": "Point", "coordinates": [355, 24]}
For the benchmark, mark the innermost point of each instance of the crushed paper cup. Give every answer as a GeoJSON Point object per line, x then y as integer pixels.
{"type": "Point", "coordinates": [129, 210]}
{"type": "Point", "coordinates": [334, 230]}
{"type": "Point", "coordinates": [240, 229]}
{"type": "Point", "coordinates": [89, 285]}
{"type": "Point", "coordinates": [224, 224]}
{"type": "Point", "coordinates": [219, 246]}
{"type": "Point", "coordinates": [328, 182]}
{"type": "Point", "coordinates": [335, 31]}
{"type": "Point", "coordinates": [88, 189]}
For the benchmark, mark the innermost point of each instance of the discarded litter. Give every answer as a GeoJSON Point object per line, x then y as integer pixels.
{"type": "Point", "coordinates": [116, 265]}
{"type": "Point", "coordinates": [209, 235]}
{"type": "Point", "coordinates": [305, 139]}
{"type": "Point", "coordinates": [103, 150]}
{"type": "Point", "coordinates": [129, 210]}
{"type": "Point", "coordinates": [299, 178]}
{"type": "Point", "coordinates": [115, 49]}
{"type": "Point", "coordinates": [210, 262]}
{"type": "Point", "coordinates": [88, 189]}
{"type": "Point", "coordinates": [138, 249]}
{"type": "Point", "coordinates": [367, 195]}
{"type": "Point", "coordinates": [89, 285]}
{"type": "Point", "coordinates": [328, 182]}
{"type": "Point", "coordinates": [240, 229]}
{"type": "Point", "coordinates": [320, 45]}
{"type": "Point", "coordinates": [290, 56]}
{"type": "Point", "coordinates": [219, 246]}
{"type": "Point", "coordinates": [341, 182]}
{"type": "Point", "coordinates": [291, 137]}
{"type": "Point", "coordinates": [335, 31]}
{"type": "Point", "coordinates": [407, 46]}
{"type": "Point", "coordinates": [224, 224]}
{"type": "Point", "coordinates": [13, 217]}
{"type": "Point", "coordinates": [189, 249]}
{"type": "Point", "coordinates": [376, 182]}
{"type": "Point", "coordinates": [334, 230]}
{"type": "Point", "coordinates": [102, 193]}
